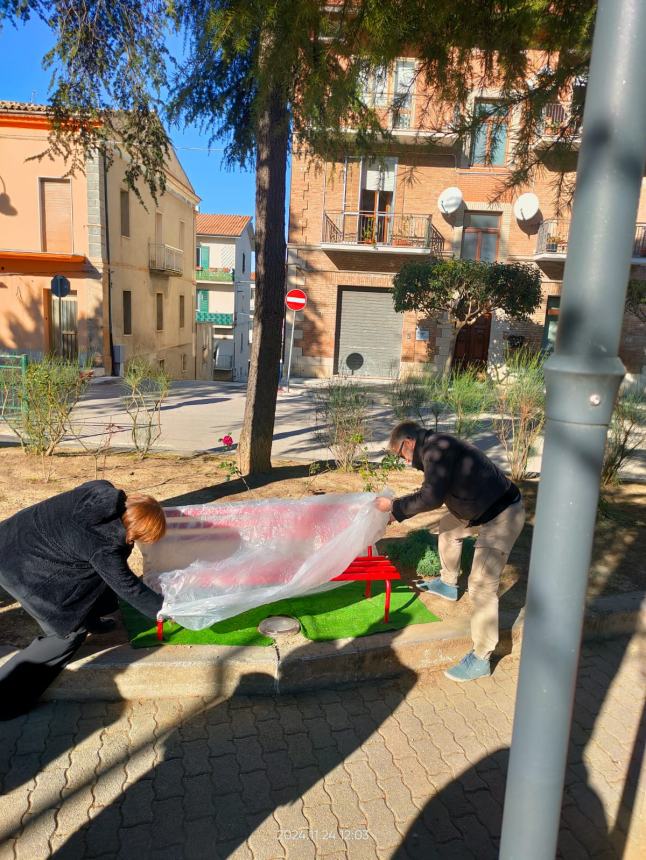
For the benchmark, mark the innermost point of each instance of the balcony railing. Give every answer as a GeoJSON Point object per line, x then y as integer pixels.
{"type": "Point", "coordinates": [555, 124]}
{"type": "Point", "coordinates": [553, 239]}
{"type": "Point", "coordinates": [165, 258]}
{"type": "Point", "coordinates": [370, 229]}
{"type": "Point", "coordinates": [221, 275]}
{"type": "Point", "coordinates": [214, 318]}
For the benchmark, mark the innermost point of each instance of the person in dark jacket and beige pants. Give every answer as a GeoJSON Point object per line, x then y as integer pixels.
{"type": "Point", "coordinates": [480, 500]}
{"type": "Point", "coordinates": [65, 560]}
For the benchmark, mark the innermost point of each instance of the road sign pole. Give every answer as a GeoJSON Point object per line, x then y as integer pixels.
{"type": "Point", "coordinates": [60, 324]}
{"type": "Point", "coordinates": [295, 300]}
{"type": "Point", "coordinates": [291, 347]}
{"type": "Point", "coordinates": [583, 377]}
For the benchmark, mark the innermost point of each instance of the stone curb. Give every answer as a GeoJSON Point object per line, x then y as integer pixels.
{"type": "Point", "coordinates": [294, 663]}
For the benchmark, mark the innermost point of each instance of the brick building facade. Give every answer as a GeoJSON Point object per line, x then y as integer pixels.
{"type": "Point", "coordinates": [354, 222]}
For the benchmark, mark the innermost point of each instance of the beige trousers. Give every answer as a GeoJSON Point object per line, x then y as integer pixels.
{"type": "Point", "coordinates": [495, 541]}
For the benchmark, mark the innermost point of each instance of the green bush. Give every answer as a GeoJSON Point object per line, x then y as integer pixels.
{"type": "Point", "coordinates": [51, 389]}
{"type": "Point", "coordinates": [468, 395]}
{"type": "Point", "coordinates": [418, 552]}
{"type": "Point", "coordinates": [421, 397]}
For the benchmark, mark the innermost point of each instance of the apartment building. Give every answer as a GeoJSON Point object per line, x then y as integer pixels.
{"type": "Point", "coordinates": [223, 259]}
{"type": "Point", "coordinates": [354, 222]}
{"type": "Point", "coordinates": [129, 265]}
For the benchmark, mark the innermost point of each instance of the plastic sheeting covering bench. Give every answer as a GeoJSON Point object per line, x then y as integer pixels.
{"type": "Point", "coordinates": [217, 561]}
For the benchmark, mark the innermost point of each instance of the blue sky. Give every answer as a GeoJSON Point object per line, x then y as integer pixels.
{"type": "Point", "coordinates": [22, 78]}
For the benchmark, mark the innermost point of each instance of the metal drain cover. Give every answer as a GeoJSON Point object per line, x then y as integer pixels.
{"type": "Point", "coordinates": [277, 624]}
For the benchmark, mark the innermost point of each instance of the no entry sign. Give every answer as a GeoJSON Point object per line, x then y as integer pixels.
{"type": "Point", "coordinates": [296, 300]}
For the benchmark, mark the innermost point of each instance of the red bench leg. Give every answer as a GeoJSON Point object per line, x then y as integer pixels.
{"type": "Point", "coordinates": [160, 630]}
{"type": "Point", "coordinates": [387, 607]}
{"type": "Point", "coordinates": [368, 588]}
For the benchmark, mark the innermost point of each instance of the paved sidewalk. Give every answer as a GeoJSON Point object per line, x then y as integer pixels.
{"type": "Point", "coordinates": [400, 769]}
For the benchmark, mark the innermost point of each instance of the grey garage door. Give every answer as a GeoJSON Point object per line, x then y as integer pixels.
{"type": "Point", "coordinates": [370, 333]}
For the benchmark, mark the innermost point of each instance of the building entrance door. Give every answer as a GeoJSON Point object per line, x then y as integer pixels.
{"type": "Point", "coordinates": [472, 345]}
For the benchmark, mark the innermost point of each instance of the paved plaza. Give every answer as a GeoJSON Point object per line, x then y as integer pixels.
{"type": "Point", "coordinates": [398, 769]}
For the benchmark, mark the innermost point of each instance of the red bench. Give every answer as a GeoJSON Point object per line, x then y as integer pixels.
{"type": "Point", "coordinates": [367, 568]}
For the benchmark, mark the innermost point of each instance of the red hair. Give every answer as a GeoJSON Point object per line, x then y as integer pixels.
{"type": "Point", "coordinates": [144, 519]}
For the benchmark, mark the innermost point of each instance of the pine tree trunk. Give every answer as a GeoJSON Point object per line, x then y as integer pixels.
{"type": "Point", "coordinates": [262, 388]}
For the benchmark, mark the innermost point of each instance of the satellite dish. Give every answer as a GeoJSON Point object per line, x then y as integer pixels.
{"type": "Point", "coordinates": [526, 207]}
{"type": "Point", "coordinates": [450, 200]}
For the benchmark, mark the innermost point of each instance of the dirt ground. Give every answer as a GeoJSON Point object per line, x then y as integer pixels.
{"type": "Point", "coordinates": [620, 539]}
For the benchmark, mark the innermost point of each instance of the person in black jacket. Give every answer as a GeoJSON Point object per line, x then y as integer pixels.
{"type": "Point", "coordinates": [480, 499]}
{"type": "Point", "coordinates": [66, 560]}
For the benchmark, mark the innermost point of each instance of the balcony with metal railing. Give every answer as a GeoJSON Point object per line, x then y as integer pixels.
{"type": "Point", "coordinates": [555, 126]}
{"type": "Point", "coordinates": [224, 276]}
{"type": "Point", "coordinates": [165, 259]}
{"type": "Point", "coordinates": [552, 241]}
{"type": "Point", "coordinates": [381, 231]}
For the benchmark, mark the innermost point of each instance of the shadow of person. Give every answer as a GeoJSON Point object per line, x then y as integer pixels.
{"type": "Point", "coordinates": [35, 747]}
{"type": "Point", "coordinates": [241, 763]}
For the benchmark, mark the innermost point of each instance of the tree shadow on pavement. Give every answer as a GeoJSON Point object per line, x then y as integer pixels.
{"type": "Point", "coordinates": [241, 764]}
{"type": "Point", "coordinates": [474, 801]}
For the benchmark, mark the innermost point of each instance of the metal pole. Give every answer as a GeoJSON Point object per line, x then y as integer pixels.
{"type": "Point", "coordinates": [583, 377]}
{"type": "Point", "coordinates": [291, 347]}
{"type": "Point", "coordinates": [60, 323]}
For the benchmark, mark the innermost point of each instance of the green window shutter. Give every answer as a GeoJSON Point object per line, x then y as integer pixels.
{"type": "Point", "coordinates": [203, 301]}
{"type": "Point", "coordinates": [204, 256]}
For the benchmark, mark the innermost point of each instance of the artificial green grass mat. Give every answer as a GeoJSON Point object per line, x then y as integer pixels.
{"type": "Point", "coordinates": [418, 552]}
{"type": "Point", "coordinates": [340, 613]}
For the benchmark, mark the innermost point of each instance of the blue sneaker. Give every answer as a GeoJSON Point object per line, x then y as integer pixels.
{"type": "Point", "coordinates": [440, 589]}
{"type": "Point", "coordinates": [469, 668]}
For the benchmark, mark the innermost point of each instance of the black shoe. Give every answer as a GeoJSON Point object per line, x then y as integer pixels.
{"type": "Point", "coordinates": [100, 625]}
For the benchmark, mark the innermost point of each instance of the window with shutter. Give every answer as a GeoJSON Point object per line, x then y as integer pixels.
{"type": "Point", "coordinates": [56, 215]}
{"type": "Point", "coordinates": [125, 213]}
{"type": "Point", "coordinates": [181, 312]}
{"type": "Point", "coordinates": [127, 312]}
{"type": "Point", "coordinates": [181, 236]}
{"type": "Point", "coordinates": [160, 311]}
{"type": "Point", "coordinates": [205, 260]}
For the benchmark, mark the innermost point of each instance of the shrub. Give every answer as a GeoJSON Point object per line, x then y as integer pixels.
{"type": "Point", "coordinates": [467, 396]}
{"type": "Point", "coordinates": [520, 408]}
{"type": "Point", "coordinates": [51, 389]}
{"type": "Point", "coordinates": [375, 475]}
{"type": "Point", "coordinates": [626, 433]}
{"type": "Point", "coordinates": [421, 397]}
{"type": "Point", "coordinates": [147, 388]}
{"type": "Point", "coordinates": [342, 420]}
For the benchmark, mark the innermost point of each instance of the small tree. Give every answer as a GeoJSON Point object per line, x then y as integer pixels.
{"type": "Point", "coordinates": [342, 419]}
{"type": "Point", "coordinates": [147, 387]}
{"type": "Point", "coordinates": [627, 432]}
{"type": "Point", "coordinates": [466, 289]}
{"type": "Point", "coordinates": [520, 408]}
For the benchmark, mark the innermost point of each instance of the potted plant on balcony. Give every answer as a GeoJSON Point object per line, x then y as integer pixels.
{"type": "Point", "coordinates": [556, 243]}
